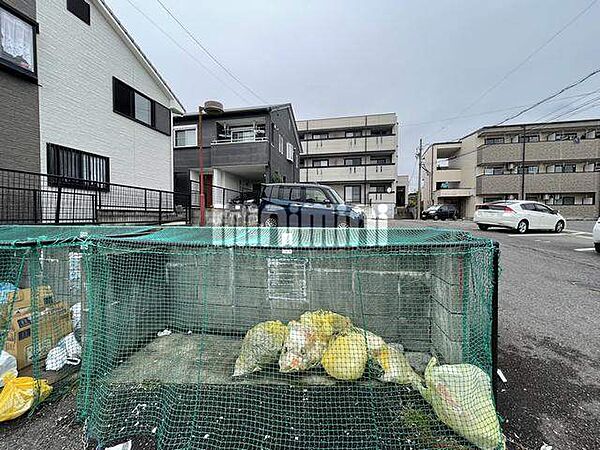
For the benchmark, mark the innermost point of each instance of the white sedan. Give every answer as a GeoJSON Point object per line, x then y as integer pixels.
{"type": "Point", "coordinates": [596, 234]}
{"type": "Point", "coordinates": [518, 215]}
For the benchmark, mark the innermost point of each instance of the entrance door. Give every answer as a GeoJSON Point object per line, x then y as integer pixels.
{"type": "Point", "coordinates": [208, 190]}
{"type": "Point", "coordinates": [400, 195]}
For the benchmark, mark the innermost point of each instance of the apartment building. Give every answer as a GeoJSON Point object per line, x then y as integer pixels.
{"type": "Point", "coordinates": [555, 163]}
{"type": "Point", "coordinates": [356, 156]}
{"type": "Point", "coordinates": [242, 148]}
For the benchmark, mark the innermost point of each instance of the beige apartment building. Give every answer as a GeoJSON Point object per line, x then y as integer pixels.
{"type": "Point", "coordinates": [356, 156]}
{"type": "Point", "coordinates": [561, 167]}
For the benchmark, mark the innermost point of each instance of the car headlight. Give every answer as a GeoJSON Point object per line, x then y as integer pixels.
{"type": "Point", "coordinates": [357, 210]}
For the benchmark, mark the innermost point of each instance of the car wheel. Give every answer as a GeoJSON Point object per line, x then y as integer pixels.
{"type": "Point", "coordinates": [560, 225]}
{"type": "Point", "coordinates": [270, 222]}
{"type": "Point", "coordinates": [436, 217]}
{"type": "Point", "coordinates": [483, 227]}
{"type": "Point", "coordinates": [343, 224]}
{"type": "Point", "coordinates": [597, 245]}
{"type": "Point", "coordinates": [522, 227]}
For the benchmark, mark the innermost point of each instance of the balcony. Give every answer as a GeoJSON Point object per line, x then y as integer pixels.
{"type": "Point", "coordinates": [586, 149]}
{"type": "Point", "coordinates": [458, 192]}
{"type": "Point", "coordinates": [238, 140]}
{"type": "Point", "coordinates": [351, 145]}
{"type": "Point", "coordinates": [539, 183]}
{"type": "Point", "coordinates": [379, 172]}
{"type": "Point", "coordinates": [442, 175]}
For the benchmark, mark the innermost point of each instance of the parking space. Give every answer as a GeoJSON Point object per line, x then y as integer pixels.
{"type": "Point", "coordinates": [549, 343]}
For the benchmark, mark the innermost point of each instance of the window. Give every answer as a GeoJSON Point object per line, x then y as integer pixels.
{"type": "Point", "coordinates": [597, 167]}
{"type": "Point", "coordinates": [284, 192]}
{"type": "Point", "coordinates": [80, 8]}
{"type": "Point", "coordinates": [84, 170]}
{"type": "Point", "coordinates": [136, 106]}
{"type": "Point", "coordinates": [382, 131]}
{"type": "Point", "coordinates": [143, 108]}
{"type": "Point", "coordinates": [565, 136]}
{"type": "Point", "coordinates": [353, 134]}
{"type": "Point", "coordinates": [533, 169]}
{"type": "Point", "coordinates": [320, 163]}
{"type": "Point", "coordinates": [281, 144]}
{"type": "Point", "coordinates": [588, 199]}
{"type": "Point", "coordinates": [531, 138]}
{"type": "Point", "coordinates": [186, 137]}
{"type": "Point", "coordinates": [380, 160]}
{"type": "Point", "coordinates": [379, 188]}
{"type": "Point", "coordinates": [569, 168]}
{"type": "Point", "coordinates": [528, 206]}
{"type": "Point", "coordinates": [352, 162]}
{"type": "Point", "coordinates": [493, 170]}
{"type": "Point", "coordinates": [17, 45]}
{"type": "Point", "coordinates": [542, 208]}
{"type": "Point", "coordinates": [320, 136]}
{"type": "Point", "coordinates": [315, 195]}
{"type": "Point", "coordinates": [568, 200]}
{"type": "Point", "coordinates": [289, 152]}
{"type": "Point", "coordinates": [242, 134]}
{"type": "Point", "coordinates": [352, 194]}
{"type": "Point", "coordinates": [296, 194]}
{"type": "Point", "coordinates": [494, 140]}
{"type": "Point", "coordinates": [588, 167]}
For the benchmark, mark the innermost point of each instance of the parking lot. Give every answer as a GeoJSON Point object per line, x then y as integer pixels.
{"type": "Point", "coordinates": [549, 343]}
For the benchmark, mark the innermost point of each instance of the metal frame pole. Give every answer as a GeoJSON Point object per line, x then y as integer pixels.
{"type": "Point", "coordinates": [202, 220]}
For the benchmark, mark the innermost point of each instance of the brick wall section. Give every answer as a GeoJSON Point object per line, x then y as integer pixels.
{"type": "Point", "coordinates": [19, 117]}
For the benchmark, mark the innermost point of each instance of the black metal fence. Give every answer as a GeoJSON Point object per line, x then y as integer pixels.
{"type": "Point", "coordinates": [34, 198]}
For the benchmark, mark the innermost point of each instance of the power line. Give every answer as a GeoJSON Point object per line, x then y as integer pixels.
{"type": "Point", "coordinates": [556, 94]}
{"type": "Point", "coordinates": [187, 52]}
{"type": "Point", "coordinates": [522, 63]}
{"type": "Point", "coordinates": [530, 56]}
{"type": "Point", "coordinates": [483, 113]}
{"type": "Point", "coordinates": [210, 55]}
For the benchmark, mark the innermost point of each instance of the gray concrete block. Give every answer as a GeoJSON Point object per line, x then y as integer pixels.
{"type": "Point", "coordinates": [448, 351]}
{"type": "Point", "coordinates": [450, 323]}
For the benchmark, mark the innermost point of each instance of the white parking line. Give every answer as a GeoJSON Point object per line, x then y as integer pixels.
{"type": "Point", "coordinates": [587, 249]}
{"type": "Point", "coordinates": [550, 235]}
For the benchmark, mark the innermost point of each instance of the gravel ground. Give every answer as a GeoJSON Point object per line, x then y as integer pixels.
{"type": "Point", "coordinates": [549, 349]}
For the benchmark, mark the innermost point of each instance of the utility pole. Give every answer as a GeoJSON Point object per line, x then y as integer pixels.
{"type": "Point", "coordinates": [420, 156]}
{"type": "Point", "coordinates": [202, 220]}
{"type": "Point", "coordinates": [523, 166]}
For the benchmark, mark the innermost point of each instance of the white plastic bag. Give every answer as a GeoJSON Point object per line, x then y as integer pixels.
{"type": "Point", "coordinates": [8, 364]}
{"type": "Point", "coordinates": [67, 351]}
{"type": "Point", "coordinates": [76, 316]}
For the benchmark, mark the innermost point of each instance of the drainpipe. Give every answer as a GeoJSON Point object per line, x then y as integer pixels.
{"type": "Point", "coordinates": [523, 166]}
{"type": "Point", "coordinates": [202, 221]}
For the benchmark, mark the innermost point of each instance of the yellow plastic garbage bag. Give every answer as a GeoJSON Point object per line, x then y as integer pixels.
{"type": "Point", "coordinates": [18, 395]}
{"type": "Point", "coordinates": [262, 345]}
{"type": "Point", "coordinates": [303, 348]}
{"type": "Point", "coordinates": [461, 396]}
{"type": "Point", "coordinates": [346, 356]}
{"type": "Point", "coordinates": [396, 368]}
{"type": "Point", "coordinates": [326, 322]}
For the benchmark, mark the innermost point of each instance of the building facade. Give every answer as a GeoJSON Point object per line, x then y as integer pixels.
{"type": "Point", "coordinates": [555, 163]}
{"type": "Point", "coordinates": [19, 95]}
{"type": "Point", "coordinates": [354, 155]}
{"type": "Point", "coordinates": [79, 99]}
{"type": "Point", "coordinates": [241, 148]}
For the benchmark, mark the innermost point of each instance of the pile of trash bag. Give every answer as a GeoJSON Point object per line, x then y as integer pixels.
{"type": "Point", "coordinates": [18, 395]}
{"type": "Point", "coordinates": [460, 394]}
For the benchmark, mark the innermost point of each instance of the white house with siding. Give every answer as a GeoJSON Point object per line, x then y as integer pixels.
{"type": "Point", "coordinates": [105, 111]}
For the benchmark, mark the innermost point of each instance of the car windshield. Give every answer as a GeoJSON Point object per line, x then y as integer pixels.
{"type": "Point", "coordinates": [434, 208]}
{"type": "Point", "coordinates": [336, 196]}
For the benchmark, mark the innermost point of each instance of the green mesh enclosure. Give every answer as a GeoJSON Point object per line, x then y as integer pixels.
{"type": "Point", "coordinates": [169, 314]}
{"type": "Point", "coordinates": [42, 293]}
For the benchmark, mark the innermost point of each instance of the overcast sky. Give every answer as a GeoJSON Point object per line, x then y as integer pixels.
{"type": "Point", "coordinates": [424, 60]}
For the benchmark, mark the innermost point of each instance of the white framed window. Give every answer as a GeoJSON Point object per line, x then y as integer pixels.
{"type": "Point", "coordinates": [564, 136]}
{"type": "Point", "coordinates": [290, 152]}
{"type": "Point", "coordinates": [186, 136]}
{"type": "Point", "coordinates": [281, 144]}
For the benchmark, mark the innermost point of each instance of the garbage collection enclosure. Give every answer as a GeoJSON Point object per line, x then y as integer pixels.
{"type": "Point", "coordinates": [168, 311]}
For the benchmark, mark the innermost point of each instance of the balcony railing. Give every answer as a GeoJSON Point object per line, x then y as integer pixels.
{"type": "Point", "coordinates": [233, 140]}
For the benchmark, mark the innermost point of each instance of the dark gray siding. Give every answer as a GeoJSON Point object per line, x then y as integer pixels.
{"type": "Point", "coordinates": [19, 113]}
{"type": "Point", "coordinates": [285, 125]}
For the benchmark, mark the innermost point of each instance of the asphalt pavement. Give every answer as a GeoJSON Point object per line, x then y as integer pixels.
{"type": "Point", "coordinates": [549, 335]}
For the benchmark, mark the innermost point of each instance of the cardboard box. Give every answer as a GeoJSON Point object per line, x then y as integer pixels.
{"type": "Point", "coordinates": [53, 323]}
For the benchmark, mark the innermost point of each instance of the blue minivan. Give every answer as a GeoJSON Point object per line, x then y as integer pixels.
{"type": "Point", "coordinates": [306, 205]}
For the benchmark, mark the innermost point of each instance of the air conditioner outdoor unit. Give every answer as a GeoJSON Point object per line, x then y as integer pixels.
{"type": "Point", "coordinates": [546, 197]}
{"type": "Point", "coordinates": [511, 166]}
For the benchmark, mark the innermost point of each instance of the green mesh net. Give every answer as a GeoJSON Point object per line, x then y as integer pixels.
{"type": "Point", "coordinates": [235, 338]}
